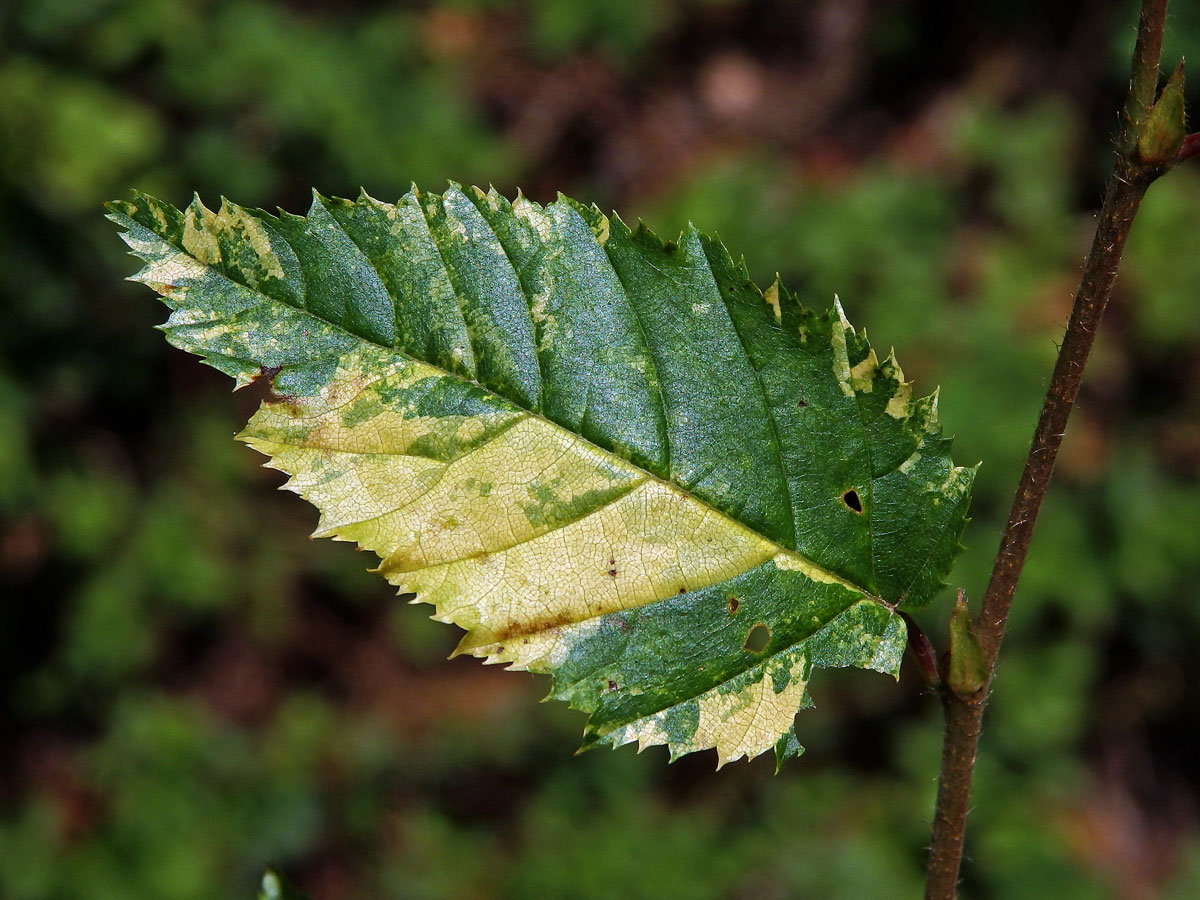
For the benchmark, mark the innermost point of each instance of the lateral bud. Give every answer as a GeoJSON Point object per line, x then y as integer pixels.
{"type": "Point", "coordinates": [1165, 127]}
{"type": "Point", "coordinates": [967, 670]}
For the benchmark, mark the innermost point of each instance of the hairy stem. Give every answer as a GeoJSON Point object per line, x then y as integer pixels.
{"type": "Point", "coordinates": [1123, 195]}
{"type": "Point", "coordinates": [1125, 190]}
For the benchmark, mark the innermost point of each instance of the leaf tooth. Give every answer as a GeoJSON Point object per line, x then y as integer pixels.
{"type": "Point", "coordinates": [837, 305]}
{"type": "Point", "coordinates": [291, 218]}
{"type": "Point", "coordinates": [933, 409]}
{"type": "Point", "coordinates": [197, 204]}
{"type": "Point", "coordinates": [319, 198]}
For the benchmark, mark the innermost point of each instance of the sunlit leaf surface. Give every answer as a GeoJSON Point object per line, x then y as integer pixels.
{"type": "Point", "coordinates": [606, 457]}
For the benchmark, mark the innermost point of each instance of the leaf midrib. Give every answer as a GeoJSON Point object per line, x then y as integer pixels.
{"type": "Point", "coordinates": [642, 477]}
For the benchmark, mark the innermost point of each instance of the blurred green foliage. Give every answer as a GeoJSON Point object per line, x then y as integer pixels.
{"type": "Point", "coordinates": [193, 693]}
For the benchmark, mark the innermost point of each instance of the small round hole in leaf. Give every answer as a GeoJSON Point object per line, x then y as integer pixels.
{"type": "Point", "coordinates": [852, 500]}
{"type": "Point", "coordinates": [734, 603]}
{"type": "Point", "coordinates": [757, 639]}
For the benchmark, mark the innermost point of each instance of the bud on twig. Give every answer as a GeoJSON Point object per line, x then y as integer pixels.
{"type": "Point", "coordinates": [967, 672]}
{"type": "Point", "coordinates": [1165, 127]}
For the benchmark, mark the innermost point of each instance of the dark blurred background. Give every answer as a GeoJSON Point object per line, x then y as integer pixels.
{"type": "Point", "coordinates": [192, 690]}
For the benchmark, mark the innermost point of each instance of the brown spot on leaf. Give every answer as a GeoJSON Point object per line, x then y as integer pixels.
{"type": "Point", "coordinates": [734, 603]}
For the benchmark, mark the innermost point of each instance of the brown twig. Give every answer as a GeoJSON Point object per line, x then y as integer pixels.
{"type": "Point", "coordinates": [1126, 186]}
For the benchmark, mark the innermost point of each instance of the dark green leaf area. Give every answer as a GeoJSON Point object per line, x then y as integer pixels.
{"type": "Point", "coordinates": [723, 443]}
{"type": "Point", "coordinates": [341, 285]}
{"type": "Point", "coordinates": [925, 511]}
{"type": "Point", "coordinates": [401, 248]}
{"type": "Point", "coordinates": [599, 379]}
{"type": "Point", "coordinates": [817, 426]}
{"type": "Point", "coordinates": [635, 663]}
{"type": "Point", "coordinates": [877, 497]}
{"type": "Point", "coordinates": [500, 321]}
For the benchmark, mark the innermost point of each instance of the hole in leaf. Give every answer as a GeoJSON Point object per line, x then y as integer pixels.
{"type": "Point", "coordinates": [757, 639]}
{"type": "Point", "coordinates": [612, 685]}
{"type": "Point", "coordinates": [803, 403]}
{"type": "Point", "coordinates": [734, 603]}
{"type": "Point", "coordinates": [851, 499]}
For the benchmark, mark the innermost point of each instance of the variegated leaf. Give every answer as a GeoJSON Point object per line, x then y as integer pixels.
{"type": "Point", "coordinates": [606, 457]}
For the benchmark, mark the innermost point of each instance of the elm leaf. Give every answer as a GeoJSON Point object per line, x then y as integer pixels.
{"type": "Point", "coordinates": [606, 457]}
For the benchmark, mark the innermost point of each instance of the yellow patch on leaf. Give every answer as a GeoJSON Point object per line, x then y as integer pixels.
{"type": "Point", "coordinates": [510, 525]}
